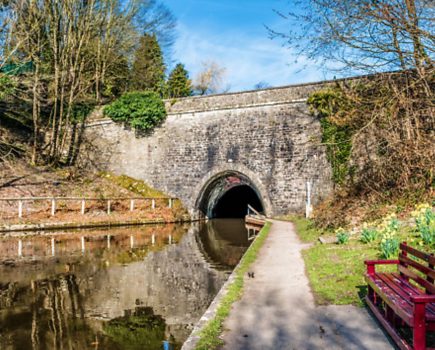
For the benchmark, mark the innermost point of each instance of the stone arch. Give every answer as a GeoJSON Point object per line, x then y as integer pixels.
{"type": "Point", "coordinates": [221, 180]}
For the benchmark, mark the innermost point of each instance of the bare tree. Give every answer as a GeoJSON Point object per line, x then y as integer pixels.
{"type": "Point", "coordinates": [363, 35]}
{"type": "Point", "coordinates": [78, 50]}
{"type": "Point", "coordinates": [210, 79]}
{"type": "Point", "coordinates": [388, 117]}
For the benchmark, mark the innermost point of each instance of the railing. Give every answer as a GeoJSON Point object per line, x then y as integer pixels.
{"type": "Point", "coordinates": [82, 200]}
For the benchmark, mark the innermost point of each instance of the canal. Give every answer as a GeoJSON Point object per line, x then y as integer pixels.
{"type": "Point", "coordinates": [125, 288]}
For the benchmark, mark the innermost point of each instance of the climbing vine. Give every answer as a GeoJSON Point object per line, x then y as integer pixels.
{"type": "Point", "coordinates": [336, 136]}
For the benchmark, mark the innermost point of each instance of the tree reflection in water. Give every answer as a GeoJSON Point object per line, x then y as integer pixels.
{"type": "Point", "coordinates": [130, 288]}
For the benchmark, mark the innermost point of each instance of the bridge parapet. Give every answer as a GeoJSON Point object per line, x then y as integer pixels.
{"type": "Point", "coordinates": [255, 98]}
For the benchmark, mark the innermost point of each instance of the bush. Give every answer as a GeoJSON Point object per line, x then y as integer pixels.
{"type": "Point", "coordinates": [368, 234]}
{"type": "Point", "coordinates": [141, 110]}
{"type": "Point", "coordinates": [342, 236]}
{"type": "Point", "coordinates": [425, 222]}
{"type": "Point", "coordinates": [389, 228]}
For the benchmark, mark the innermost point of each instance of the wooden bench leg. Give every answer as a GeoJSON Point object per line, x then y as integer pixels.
{"type": "Point", "coordinates": [419, 336]}
{"type": "Point", "coordinates": [371, 294]}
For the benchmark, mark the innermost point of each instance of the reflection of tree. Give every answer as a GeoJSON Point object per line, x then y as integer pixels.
{"type": "Point", "coordinates": [54, 318]}
{"type": "Point", "coordinates": [140, 329]}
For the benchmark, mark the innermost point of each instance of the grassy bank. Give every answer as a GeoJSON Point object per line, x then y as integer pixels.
{"type": "Point", "coordinates": [209, 336]}
{"type": "Point", "coordinates": [336, 271]}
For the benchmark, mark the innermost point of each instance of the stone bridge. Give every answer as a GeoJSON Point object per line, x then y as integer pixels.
{"type": "Point", "coordinates": [219, 153]}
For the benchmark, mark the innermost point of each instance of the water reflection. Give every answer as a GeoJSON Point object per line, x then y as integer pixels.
{"type": "Point", "coordinates": [125, 288]}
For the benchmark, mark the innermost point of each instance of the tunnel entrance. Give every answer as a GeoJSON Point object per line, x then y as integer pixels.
{"type": "Point", "coordinates": [234, 203]}
{"type": "Point", "coordinates": [227, 195]}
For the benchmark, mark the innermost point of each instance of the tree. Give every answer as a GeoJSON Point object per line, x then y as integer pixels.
{"type": "Point", "coordinates": [79, 51]}
{"type": "Point", "coordinates": [179, 84]}
{"type": "Point", "coordinates": [262, 85]}
{"type": "Point", "coordinates": [363, 35]}
{"type": "Point", "coordinates": [210, 79]}
{"type": "Point", "coordinates": [378, 129]}
{"type": "Point", "coordinates": [148, 72]}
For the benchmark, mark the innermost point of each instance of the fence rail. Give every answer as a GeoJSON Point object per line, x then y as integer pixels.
{"type": "Point", "coordinates": [55, 200]}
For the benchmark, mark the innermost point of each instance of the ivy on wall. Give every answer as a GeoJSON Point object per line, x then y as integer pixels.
{"type": "Point", "coordinates": [336, 135]}
{"type": "Point", "coordinates": [141, 110]}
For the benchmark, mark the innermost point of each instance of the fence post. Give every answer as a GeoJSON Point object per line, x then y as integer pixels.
{"type": "Point", "coordinates": [131, 242]}
{"type": "Point", "coordinates": [52, 247]}
{"type": "Point", "coordinates": [20, 209]}
{"type": "Point", "coordinates": [170, 239]}
{"type": "Point", "coordinates": [131, 204]}
{"type": "Point", "coordinates": [83, 208]}
{"type": "Point", "coordinates": [82, 239]}
{"type": "Point", "coordinates": [53, 207]}
{"type": "Point", "coordinates": [108, 207]}
{"type": "Point", "coordinates": [108, 241]}
{"type": "Point", "coordinates": [153, 204]}
{"type": "Point", "coordinates": [170, 203]}
{"type": "Point", "coordinates": [153, 239]}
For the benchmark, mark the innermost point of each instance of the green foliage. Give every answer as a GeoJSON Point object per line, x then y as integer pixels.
{"type": "Point", "coordinates": [148, 71]}
{"type": "Point", "coordinates": [342, 236]}
{"type": "Point", "coordinates": [389, 228]}
{"type": "Point", "coordinates": [141, 110]}
{"type": "Point", "coordinates": [368, 234]}
{"type": "Point", "coordinates": [179, 84]}
{"type": "Point", "coordinates": [142, 330]}
{"type": "Point", "coordinates": [7, 86]}
{"type": "Point", "coordinates": [336, 136]}
{"type": "Point", "coordinates": [425, 222]}
{"type": "Point", "coordinates": [209, 336]}
{"type": "Point", "coordinates": [389, 247]}
{"type": "Point", "coordinates": [80, 111]}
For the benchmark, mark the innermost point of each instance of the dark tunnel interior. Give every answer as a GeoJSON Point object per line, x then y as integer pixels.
{"type": "Point", "coordinates": [234, 203]}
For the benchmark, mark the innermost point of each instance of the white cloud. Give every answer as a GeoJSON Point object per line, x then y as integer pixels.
{"type": "Point", "coordinates": [248, 60]}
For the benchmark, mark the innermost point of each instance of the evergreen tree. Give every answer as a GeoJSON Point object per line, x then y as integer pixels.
{"type": "Point", "coordinates": [179, 84]}
{"type": "Point", "coordinates": [148, 72]}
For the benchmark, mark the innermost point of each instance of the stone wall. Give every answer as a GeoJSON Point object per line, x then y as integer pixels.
{"type": "Point", "coordinates": [267, 135]}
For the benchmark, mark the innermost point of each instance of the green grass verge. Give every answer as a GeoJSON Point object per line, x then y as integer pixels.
{"type": "Point", "coordinates": [306, 231]}
{"type": "Point", "coordinates": [209, 336]}
{"type": "Point", "coordinates": [336, 272]}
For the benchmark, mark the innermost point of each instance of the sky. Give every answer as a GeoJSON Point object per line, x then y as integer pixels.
{"type": "Point", "coordinates": [232, 33]}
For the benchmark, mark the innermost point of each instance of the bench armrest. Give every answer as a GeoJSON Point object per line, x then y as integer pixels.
{"type": "Point", "coordinates": [372, 263]}
{"type": "Point", "coordinates": [423, 298]}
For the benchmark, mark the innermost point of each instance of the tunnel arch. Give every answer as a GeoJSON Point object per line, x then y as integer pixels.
{"type": "Point", "coordinates": [227, 193]}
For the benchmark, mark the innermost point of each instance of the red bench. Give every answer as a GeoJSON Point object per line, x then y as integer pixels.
{"type": "Point", "coordinates": [404, 298]}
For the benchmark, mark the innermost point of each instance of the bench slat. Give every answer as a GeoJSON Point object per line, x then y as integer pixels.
{"type": "Point", "coordinates": [430, 288]}
{"type": "Point", "coordinates": [405, 290]}
{"type": "Point", "coordinates": [424, 256]}
{"type": "Point", "coordinates": [399, 306]}
{"type": "Point", "coordinates": [424, 269]}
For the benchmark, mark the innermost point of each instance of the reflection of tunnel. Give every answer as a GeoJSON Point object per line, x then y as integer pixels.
{"type": "Point", "coordinates": [234, 203]}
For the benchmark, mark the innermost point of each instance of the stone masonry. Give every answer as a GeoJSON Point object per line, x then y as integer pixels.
{"type": "Point", "coordinates": [266, 137]}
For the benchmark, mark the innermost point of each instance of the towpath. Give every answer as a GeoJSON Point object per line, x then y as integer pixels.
{"type": "Point", "coordinates": [277, 310]}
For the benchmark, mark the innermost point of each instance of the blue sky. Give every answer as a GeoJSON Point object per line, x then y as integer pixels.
{"type": "Point", "coordinates": [232, 33]}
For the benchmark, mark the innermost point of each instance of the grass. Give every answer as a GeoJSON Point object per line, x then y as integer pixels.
{"type": "Point", "coordinates": [209, 336]}
{"type": "Point", "coordinates": [336, 272]}
{"type": "Point", "coordinates": [137, 186]}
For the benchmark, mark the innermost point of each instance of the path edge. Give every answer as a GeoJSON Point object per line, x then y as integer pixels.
{"type": "Point", "coordinates": [211, 314]}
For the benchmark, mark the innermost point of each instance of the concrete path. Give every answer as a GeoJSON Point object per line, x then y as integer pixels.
{"type": "Point", "coordinates": [277, 309]}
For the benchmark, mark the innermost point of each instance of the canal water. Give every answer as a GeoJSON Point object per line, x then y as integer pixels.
{"type": "Point", "coordinates": [125, 288]}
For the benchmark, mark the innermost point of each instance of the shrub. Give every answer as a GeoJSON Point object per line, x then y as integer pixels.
{"type": "Point", "coordinates": [368, 234]}
{"type": "Point", "coordinates": [425, 222]}
{"type": "Point", "coordinates": [342, 236]}
{"type": "Point", "coordinates": [141, 110]}
{"type": "Point", "coordinates": [389, 245]}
